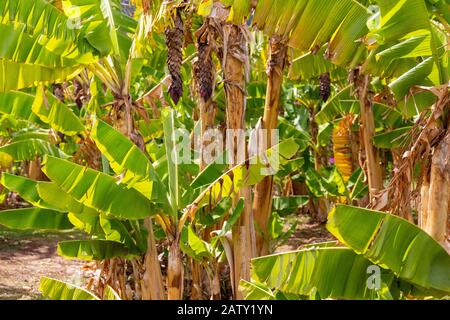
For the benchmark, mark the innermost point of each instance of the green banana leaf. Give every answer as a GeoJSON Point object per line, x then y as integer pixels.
{"type": "Point", "coordinates": [246, 174]}
{"type": "Point", "coordinates": [232, 219]}
{"type": "Point", "coordinates": [35, 218]}
{"type": "Point", "coordinates": [110, 294]}
{"type": "Point", "coordinates": [208, 175]}
{"type": "Point", "coordinates": [308, 65]}
{"type": "Point", "coordinates": [26, 188]}
{"type": "Point", "coordinates": [97, 190]}
{"type": "Point", "coordinates": [116, 230]}
{"type": "Point", "coordinates": [39, 16]}
{"type": "Point", "coordinates": [107, 28]}
{"type": "Point", "coordinates": [396, 17]}
{"type": "Point", "coordinates": [339, 104]}
{"type": "Point", "coordinates": [411, 261]}
{"type": "Point", "coordinates": [415, 104]}
{"type": "Point", "coordinates": [89, 223]}
{"type": "Point", "coordinates": [33, 133]}
{"type": "Point", "coordinates": [288, 205]}
{"type": "Point", "coordinates": [172, 159]}
{"type": "Point", "coordinates": [17, 104]}
{"type": "Point", "coordinates": [29, 149]}
{"type": "Point", "coordinates": [255, 291]}
{"type": "Point", "coordinates": [52, 195]}
{"type": "Point", "coordinates": [411, 47]}
{"type": "Point", "coordinates": [92, 249]}
{"type": "Point", "coordinates": [394, 244]}
{"type": "Point", "coordinates": [60, 290]}
{"type": "Point", "coordinates": [35, 49]}
{"type": "Point", "coordinates": [128, 160]}
{"type": "Point", "coordinates": [416, 75]}
{"type": "Point", "coordinates": [400, 137]}
{"type": "Point", "coordinates": [55, 113]}
{"type": "Point", "coordinates": [400, 42]}
{"type": "Point", "coordinates": [28, 75]}
{"type": "Point", "coordinates": [44, 194]}
{"type": "Point", "coordinates": [194, 246]}
{"type": "Point", "coordinates": [337, 273]}
{"type": "Point", "coordinates": [342, 29]}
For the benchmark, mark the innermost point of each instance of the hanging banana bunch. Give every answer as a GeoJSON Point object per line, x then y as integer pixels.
{"type": "Point", "coordinates": [175, 40]}
{"type": "Point", "coordinates": [204, 67]}
{"type": "Point", "coordinates": [325, 86]}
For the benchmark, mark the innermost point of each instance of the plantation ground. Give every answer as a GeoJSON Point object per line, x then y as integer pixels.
{"type": "Point", "coordinates": [307, 232]}
{"type": "Point", "coordinates": [26, 256]}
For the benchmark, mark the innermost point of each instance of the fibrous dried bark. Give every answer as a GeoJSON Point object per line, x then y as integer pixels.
{"type": "Point", "coordinates": [437, 203]}
{"type": "Point", "coordinates": [175, 272]}
{"type": "Point", "coordinates": [361, 85]}
{"type": "Point", "coordinates": [188, 38]}
{"type": "Point", "coordinates": [426, 134]}
{"type": "Point", "coordinates": [235, 68]}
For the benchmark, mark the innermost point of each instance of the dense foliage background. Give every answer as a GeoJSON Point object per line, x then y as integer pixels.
{"type": "Point", "coordinates": [109, 109]}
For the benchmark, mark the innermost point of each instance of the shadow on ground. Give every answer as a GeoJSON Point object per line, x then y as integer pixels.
{"type": "Point", "coordinates": [26, 256]}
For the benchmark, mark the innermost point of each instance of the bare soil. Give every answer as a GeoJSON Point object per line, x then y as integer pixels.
{"type": "Point", "coordinates": [27, 256]}
{"type": "Point", "coordinates": [307, 232]}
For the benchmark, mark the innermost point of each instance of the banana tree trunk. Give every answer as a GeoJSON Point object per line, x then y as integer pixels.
{"type": "Point", "coordinates": [204, 72]}
{"type": "Point", "coordinates": [263, 191]}
{"type": "Point", "coordinates": [34, 170]}
{"type": "Point", "coordinates": [434, 215]}
{"type": "Point", "coordinates": [424, 196]}
{"type": "Point", "coordinates": [207, 114]}
{"type": "Point", "coordinates": [196, 275]}
{"type": "Point", "coordinates": [153, 284]}
{"type": "Point", "coordinates": [175, 272]}
{"type": "Point", "coordinates": [136, 263]}
{"type": "Point", "coordinates": [235, 61]}
{"type": "Point", "coordinates": [215, 283]}
{"type": "Point", "coordinates": [323, 204]}
{"type": "Point", "coordinates": [368, 131]}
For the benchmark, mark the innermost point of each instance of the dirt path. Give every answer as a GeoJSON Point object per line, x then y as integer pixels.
{"type": "Point", "coordinates": [307, 232]}
{"type": "Point", "coordinates": [26, 256]}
